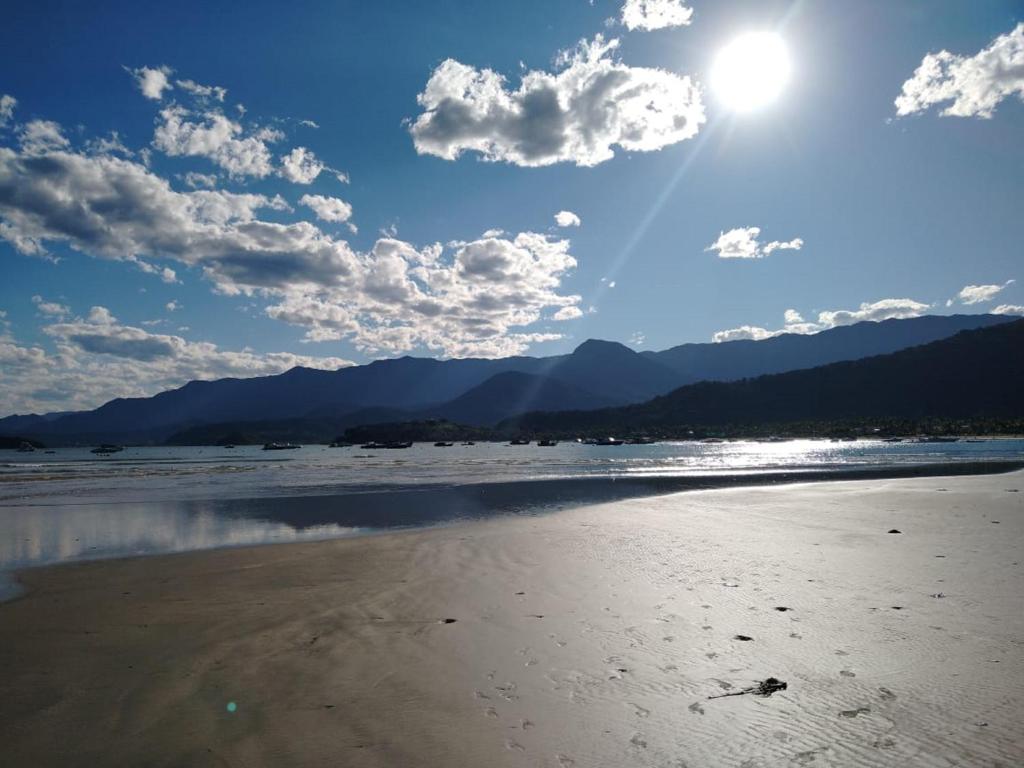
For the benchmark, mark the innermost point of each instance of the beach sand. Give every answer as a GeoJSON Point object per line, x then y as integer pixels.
{"type": "Point", "coordinates": [587, 637]}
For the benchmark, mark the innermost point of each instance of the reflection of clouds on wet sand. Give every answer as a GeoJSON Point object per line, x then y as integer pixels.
{"type": "Point", "coordinates": [41, 535]}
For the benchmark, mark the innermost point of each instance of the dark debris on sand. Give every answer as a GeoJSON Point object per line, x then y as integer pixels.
{"type": "Point", "coordinates": [763, 688]}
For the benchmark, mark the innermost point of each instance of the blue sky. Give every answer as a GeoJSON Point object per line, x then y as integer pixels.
{"type": "Point", "coordinates": [862, 212]}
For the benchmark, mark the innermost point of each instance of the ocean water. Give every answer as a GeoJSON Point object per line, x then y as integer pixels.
{"type": "Point", "coordinates": [72, 505]}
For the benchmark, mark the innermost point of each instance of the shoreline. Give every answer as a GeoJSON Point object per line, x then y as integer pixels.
{"type": "Point", "coordinates": [590, 636]}
{"type": "Point", "coordinates": [372, 511]}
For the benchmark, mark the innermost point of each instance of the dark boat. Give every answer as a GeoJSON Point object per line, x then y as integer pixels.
{"type": "Point", "coordinates": [609, 441]}
{"type": "Point", "coordinates": [340, 444]}
{"type": "Point", "coordinates": [26, 447]}
{"type": "Point", "coordinates": [519, 441]}
{"type": "Point", "coordinates": [280, 447]}
{"type": "Point", "coordinates": [443, 444]}
{"type": "Point", "coordinates": [469, 442]}
{"type": "Point", "coordinates": [937, 439]}
{"type": "Point", "coordinates": [547, 443]}
{"type": "Point", "coordinates": [107, 448]}
{"type": "Point", "coordinates": [396, 444]}
{"type": "Point", "coordinates": [372, 446]}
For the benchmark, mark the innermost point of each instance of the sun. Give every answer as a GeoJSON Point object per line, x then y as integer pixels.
{"type": "Point", "coordinates": [751, 71]}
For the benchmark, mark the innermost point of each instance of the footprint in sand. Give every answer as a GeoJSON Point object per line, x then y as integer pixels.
{"type": "Point", "coordinates": [846, 673]}
{"type": "Point", "coordinates": [711, 655]}
{"type": "Point", "coordinates": [481, 695]}
{"type": "Point", "coordinates": [696, 708]}
{"type": "Point", "coordinates": [526, 724]}
{"type": "Point", "coordinates": [796, 636]}
{"type": "Point", "coordinates": [638, 741]}
{"type": "Point", "coordinates": [641, 711]}
{"type": "Point", "coordinates": [490, 712]}
{"type": "Point", "coordinates": [513, 745]}
{"type": "Point", "coordinates": [565, 761]}
{"type": "Point", "coordinates": [886, 694]}
{"type": "Point", "coordinates": [851, 713]}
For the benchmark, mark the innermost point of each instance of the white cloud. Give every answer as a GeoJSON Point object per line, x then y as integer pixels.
{"type": "Point", "coordinates": [792, 317]}
{"type": "Point", "coordinates": [1008, 309]}
{"type": "Point", "coordinates": [655, 14]}
{"type": "Point", "coordinates": [467, 298]}
{"type": "Point", "coordinates": [98, 358]}
{"type": "Point", "coordinates": [638, 339]}
{"type": "Point", "coordinates": [464, 299]}
{"type": "Point", "coordinates": [213, 136]}
{"type": "Point", "coordinates": [976, 294]}
{"type": "Point", "coordinates": [567, 219]}
{"type": "Point", "coordinates": [7, 105]}
{"type": "Point", "coordinates": [567, 313]}
{"type": "Point", "coordinates": [109, 145]}
{"type": "Point", "coordinates": [327, 208]}
{"type": "Point", "coordinates": [202, 91]}
{"type": "Point", "coordinates": [578, 114]}
{"type": "Point", "coordinates": [975, 85]}
{"type": "Point", "coordinates": [300, 166]}
{"type": "Point", "coordinates": [744, 332]}
{"type": "Point", "coordinates": [51, 308]}
{"type": "Point", "coordinates": [152, 81]}
{"type": "Point", "coordinates": [201, 180]}
{"type": "Point", "coordinates": [172, 306]}
{"type": "Point", "coordinates": [41, 136]}
{"type": "Point", "coordinates": [742, 243]}
{"type": "Point", "coordinates": [885, 309]}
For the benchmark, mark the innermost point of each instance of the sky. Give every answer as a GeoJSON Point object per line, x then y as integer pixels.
{"type": "Point", "coordinates": [190, 190]}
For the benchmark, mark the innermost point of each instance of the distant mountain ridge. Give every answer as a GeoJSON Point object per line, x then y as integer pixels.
{"type": "Point", "coordinates": [975, 374]}
{"type": "Point", "coordinates": [477, 391]}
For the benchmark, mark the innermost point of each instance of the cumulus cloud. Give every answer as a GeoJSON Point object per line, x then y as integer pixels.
{"type": "Point", "coordinates": [567, 219]}
{"type": "Point", "coordinates": [181, 133]}
{"type": "Point", "coordinates": [208, 92]}
{"type": "Point", "coordinates": [567, 313]}
{"type": "Point", "coordinates": [742, 243]}
{"type": "Point", "coordinates": [1008, 309]}
{"type": "Point", "coordinates": [41, 136]}
{"type": "Point", "coordinates": [655, 14]}
{"type": "Point", "coordinates": [974, 85]}
{"type": "Point", "coordinates": [578, 114]}
{"type": "Point", "coordinates": [51, 308]}
{"type": "Point", "coordinates": [885, 309]}
{"type": "Point", "coordinates": [327, 208]}
{"type": "Point", "coordinates": [97, 358]}
{"type": "Point", "coordinates": [7, 105]}
{"type": "Point", "coordinates": [465, 298]}
{"type": "Point", "coordinates": [977, 294]}
{"type": "Point", "coordinates": [201, 180]}
{"type": "Point", "coordinates": [152, 81]}
{"type": "Point", "coordinates": [300, 166]}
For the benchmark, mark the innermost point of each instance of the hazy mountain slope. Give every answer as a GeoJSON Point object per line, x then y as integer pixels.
{"type": "Point", "coordinates": [790, 352]}
{"type": "Point", "coordinates": [511, 393]}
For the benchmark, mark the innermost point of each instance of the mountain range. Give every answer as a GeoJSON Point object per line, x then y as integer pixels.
{"type": "Point", "coordinates": [596, 375]}
{"type": "Point", "coordinates": [975, 375]}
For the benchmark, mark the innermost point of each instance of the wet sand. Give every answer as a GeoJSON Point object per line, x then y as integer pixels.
{"type": "Point", "coordinates": [587, 637]}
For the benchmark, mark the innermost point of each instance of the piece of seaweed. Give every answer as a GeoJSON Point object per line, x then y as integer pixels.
{"type": "Point", "coordinates": [763, 688]}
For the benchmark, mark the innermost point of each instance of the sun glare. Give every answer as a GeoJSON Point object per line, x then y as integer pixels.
{"type": "Point", "coordinates": [751, 71]}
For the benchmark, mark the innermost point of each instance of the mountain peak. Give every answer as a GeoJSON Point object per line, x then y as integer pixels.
{"type": "Point", "coordinates": [598, 346]}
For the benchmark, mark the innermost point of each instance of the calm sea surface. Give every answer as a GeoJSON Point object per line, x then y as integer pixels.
{"type": "Point", "coordinates": [71, 504]}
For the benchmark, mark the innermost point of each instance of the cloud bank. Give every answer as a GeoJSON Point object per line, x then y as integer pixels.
{"type": "Point", "coordinates": [885, 309]}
